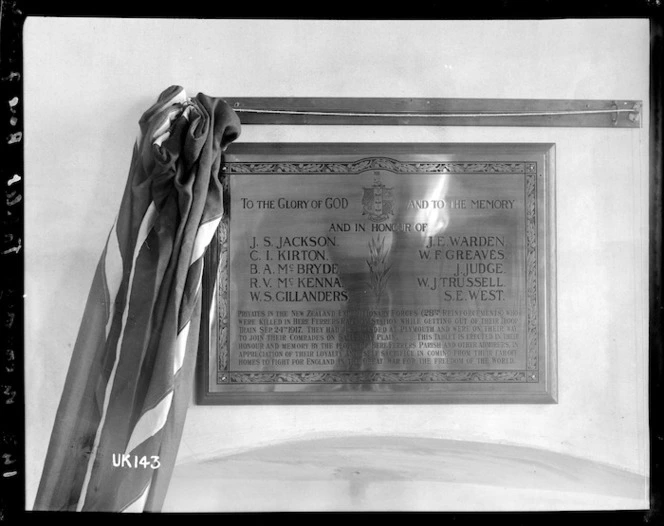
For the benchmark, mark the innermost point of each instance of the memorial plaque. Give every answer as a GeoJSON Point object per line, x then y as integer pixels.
{"type": "Point", "coordinates": [383, 273]}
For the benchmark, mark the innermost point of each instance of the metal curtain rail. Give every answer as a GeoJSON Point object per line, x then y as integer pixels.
{"type": "Point", "coordinates": [443, 112]}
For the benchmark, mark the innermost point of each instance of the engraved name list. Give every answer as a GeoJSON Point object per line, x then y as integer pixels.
{"type": "Point", "coordinates": [412, 283]}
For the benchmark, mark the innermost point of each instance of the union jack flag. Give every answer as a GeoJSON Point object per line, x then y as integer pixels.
{"type": "Point", "coordinates": [122, 411]}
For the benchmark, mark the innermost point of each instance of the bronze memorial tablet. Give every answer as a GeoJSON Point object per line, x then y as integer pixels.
{"type": "Point", "coordinates": [383, 273]}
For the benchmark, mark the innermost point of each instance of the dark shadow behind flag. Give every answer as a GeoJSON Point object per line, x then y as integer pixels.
{"type": "Point", "coordinates": [120, 419]}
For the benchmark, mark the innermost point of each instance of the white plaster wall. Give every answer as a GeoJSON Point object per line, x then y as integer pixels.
{"type": "Point", "coordinates": [87, 81]}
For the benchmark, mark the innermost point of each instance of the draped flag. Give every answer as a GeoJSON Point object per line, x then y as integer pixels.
{"type": "Point", "coordinates": [120, 419]}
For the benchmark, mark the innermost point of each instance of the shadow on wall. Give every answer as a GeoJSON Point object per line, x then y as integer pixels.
{"type": "Point", "coordinates": [400, 474]}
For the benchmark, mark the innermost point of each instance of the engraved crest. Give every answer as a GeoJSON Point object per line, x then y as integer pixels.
{"type": "Point", "coordinates": [378, 201]}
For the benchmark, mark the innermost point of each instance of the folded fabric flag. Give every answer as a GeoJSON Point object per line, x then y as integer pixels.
{"type": "Point", "coordinates": [120, 419]}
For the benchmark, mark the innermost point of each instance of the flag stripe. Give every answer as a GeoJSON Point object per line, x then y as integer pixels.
{"type": "Point", "coordinates": [191, 289]}
{"type": "Point", "coordinates": [146, 225]}
{"type": "Point", "coordinates": [203, 238]}
{"type": "Point", "coordinates": [112, 273]}
{"type": "Point", "coordinates": [150, 423]}
{"type": "Point", "coordinates": [180, 348]}
{"type": "Point", "coordinates": [162, 132]}
{"type": "Point", "coordinates": [159, 140]}
{"type": "Point", "coordinates": [179, 97]}
{"type": "Point", "coordinates": [139, 504]}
